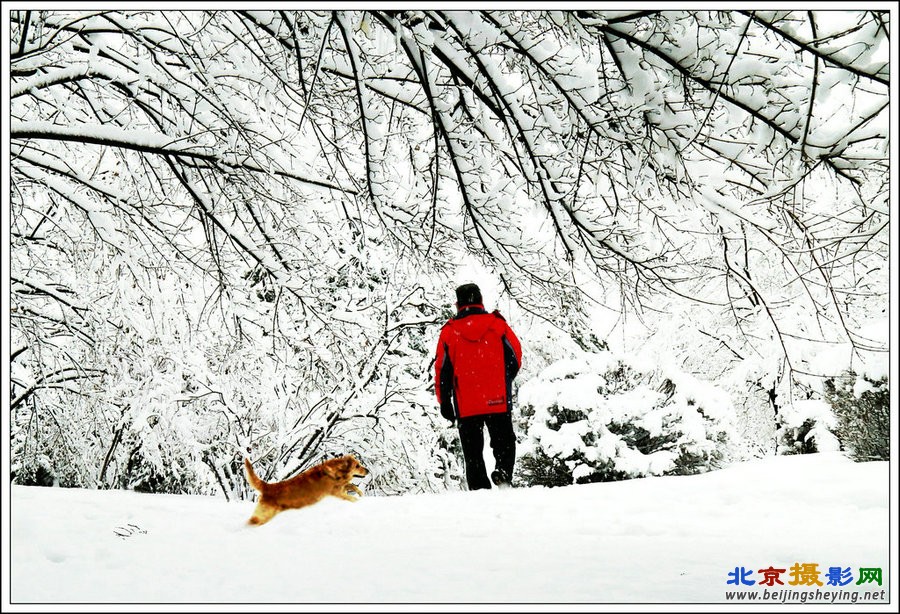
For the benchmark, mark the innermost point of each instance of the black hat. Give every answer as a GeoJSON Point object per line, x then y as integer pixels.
{"type": "Point", "coordinates": [468, 294]}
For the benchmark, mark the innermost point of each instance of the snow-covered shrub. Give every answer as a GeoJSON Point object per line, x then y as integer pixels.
{"type": "Point", "coordinates": [862, 410]}
{"type": "Point", "coordinates": [599, 417]}
{"type": "Point", "coordinates": [806, 427]}
{"type": "Point", "coordinates": [34, 470]}
{"type": "Point", "coordinates": [141, 474]}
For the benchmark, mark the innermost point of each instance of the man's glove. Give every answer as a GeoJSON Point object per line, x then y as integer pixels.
{"type": "Point", "coordinates": [447, 411]}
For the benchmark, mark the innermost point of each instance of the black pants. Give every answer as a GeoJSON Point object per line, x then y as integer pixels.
{"type": "Point", "coordinates": [503, 445]}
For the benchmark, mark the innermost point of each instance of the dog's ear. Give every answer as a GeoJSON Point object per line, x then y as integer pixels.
{"type": "Point", "coordinates": [330, 469]}
{"type": "Point", "coordinates": [343, 467]}
{"type": "Point", "coordinates": [338, 468]}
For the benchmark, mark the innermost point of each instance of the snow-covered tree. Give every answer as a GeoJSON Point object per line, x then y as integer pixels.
{"type": "Point", "coordinates": [233, 214]}
{"type": "Point", "coordinates": [862, 418]}
{"type": "Point", "coordinates": [600, 417]}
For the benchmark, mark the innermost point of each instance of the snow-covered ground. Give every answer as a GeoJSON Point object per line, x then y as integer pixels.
{"type": "Point", "coordinates": [659, 540]}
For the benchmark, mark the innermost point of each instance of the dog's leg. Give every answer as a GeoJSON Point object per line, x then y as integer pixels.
{"type": "Point", "coordinates": [354, 488]}
{"type": "Point", "coordinates": [343, 495]}
{"type": "Point", "coordinates": [262, 514]}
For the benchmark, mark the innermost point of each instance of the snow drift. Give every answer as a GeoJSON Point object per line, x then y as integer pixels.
{"type": "Point", "coordinates": [651, 540]}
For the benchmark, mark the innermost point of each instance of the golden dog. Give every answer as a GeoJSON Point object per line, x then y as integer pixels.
{"type": "Point", "coordinates": [329, 478]}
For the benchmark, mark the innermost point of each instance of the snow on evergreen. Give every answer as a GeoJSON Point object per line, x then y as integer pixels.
{"type": "Point", "coordinates": [604, 418]}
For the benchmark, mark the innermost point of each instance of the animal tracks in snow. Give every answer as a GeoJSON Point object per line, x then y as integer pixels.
{"type": "Point", "coordinates": [129, 530]}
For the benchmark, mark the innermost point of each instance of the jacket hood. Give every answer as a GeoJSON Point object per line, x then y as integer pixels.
{"type": "Point", "coordinates": [474, 327]}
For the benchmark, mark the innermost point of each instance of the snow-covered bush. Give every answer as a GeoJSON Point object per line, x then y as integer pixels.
{"type": "Point", "coordinates": [33, 470]}
{"type": "Point", "coordinates": [862, 410]}
{"type": "Point", "coordinates": [600, 417]}
{"type": "Point", "coordinates": [852, 414]}
{"type": "Point", "coordinates": [806, 427]}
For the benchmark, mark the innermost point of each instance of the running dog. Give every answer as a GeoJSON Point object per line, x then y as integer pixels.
{"type": "Point", "coordinates": [329, 478]}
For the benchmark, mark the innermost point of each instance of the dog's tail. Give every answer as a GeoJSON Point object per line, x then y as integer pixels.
{"type": "Point", "coordinates": [254, 480]}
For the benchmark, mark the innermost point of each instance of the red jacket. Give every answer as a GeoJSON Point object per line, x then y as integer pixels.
{"type": "Point", "coordinates": [478, 355]}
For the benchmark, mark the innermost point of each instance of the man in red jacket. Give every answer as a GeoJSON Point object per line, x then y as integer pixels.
{"type": "Point", "coordinates": [478, 355]}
